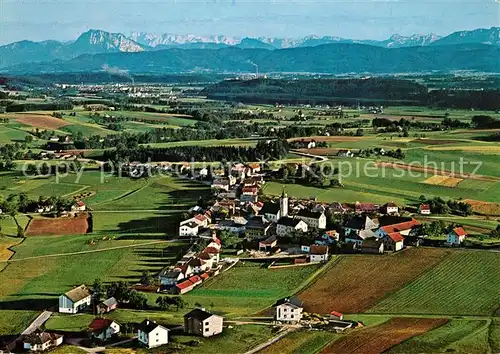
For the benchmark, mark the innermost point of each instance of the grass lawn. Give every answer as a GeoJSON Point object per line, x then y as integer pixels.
{"type": "Point", "coordinates": [9, 226]}
{"type": "Point", "coordinates": [238, 339]}
{"type": "Point", "coordinates": [465, 283]}
{"type": "Point", "coordinates": [13, 322]}
{"type": "Point", "coordinates": [249, 287]}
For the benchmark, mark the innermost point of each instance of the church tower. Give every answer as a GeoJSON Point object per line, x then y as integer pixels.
{"type": "Point", "coordinates": [284, 204]}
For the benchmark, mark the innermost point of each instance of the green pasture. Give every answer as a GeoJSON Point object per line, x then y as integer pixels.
{"type": "Point", "coordinates": [249, 287]}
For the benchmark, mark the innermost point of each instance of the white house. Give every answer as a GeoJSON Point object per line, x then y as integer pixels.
{"type": "Point", "coordinates": [315, 220]}
{"type": "Point", "coordinates": [202, 323]}
{"type": "Point", "coordinates": [391, 208]}
{"type": "Point", "coordinates": [457, 236]}
{"type": "Point", "coordinates": [393, 241]}
{"type": "Point", "coordinates": [288, 310]}
{"type": "Point", "coordinates": [189, 228]}
{"type": "Point", "coordinates": [286, 226]}
{"type": "Point", "coordinates": [75, 300]}
{"type": "Point", "coordinates": [79, 206]}
{"type": "Point", "coordinates": [42, 341]}
{"type": "Point", "coordinates": [151, 334]}
{"type": "Point", "coordinates": [318, 254]}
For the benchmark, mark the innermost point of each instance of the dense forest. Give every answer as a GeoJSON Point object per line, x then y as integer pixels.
{"type": "Point", "coordinates": [382, 91]}
{"type": "Point", "coordinates": [265, 150]}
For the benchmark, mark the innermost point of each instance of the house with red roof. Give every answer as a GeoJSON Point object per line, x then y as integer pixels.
{"type": "Point", "coordinates": [393, 241]}
{"type": "Point", "coordinates": [336, 315]}
{"type": "Point", "coordinates": [457, 236]}
{"type": "Point", "coordinates": [424, 209]}
{"type": "Point", "coordinates": [103, 329]}
{"type": "Point", "coordinates": [79, 206]}
{"type": "Point", "coordinates": [405, 228]}
{"type": "Point", "coordinates": [184, 287]}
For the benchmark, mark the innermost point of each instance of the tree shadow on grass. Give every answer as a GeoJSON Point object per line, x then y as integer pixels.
{"type": "Point", "coordinates": [38, 304]}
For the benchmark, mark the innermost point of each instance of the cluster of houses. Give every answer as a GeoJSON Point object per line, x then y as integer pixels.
{"type": "Point", "coordinates": [238, 210]}
{"type": "Point", "coordinates": [150, 334]}
{"type": "Point", "coordinates": [192, 269]}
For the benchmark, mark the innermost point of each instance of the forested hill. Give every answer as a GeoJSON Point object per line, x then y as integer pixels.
{"type": "Point", "coordinates": [320, 89]}
{"type": "Point", "coordinates": [330, 58]}
{"type": "Point", "coordinates": [348, 91]}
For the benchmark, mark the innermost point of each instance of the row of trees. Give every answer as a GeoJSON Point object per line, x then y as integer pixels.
{"type": "Point", "coordinates": [440, 206]}
{"type": "Point", "coordinates": [276, 149]}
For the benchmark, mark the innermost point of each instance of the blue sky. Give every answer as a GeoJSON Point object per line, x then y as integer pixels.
{"type": "Point", "coordinates": [369, 19]}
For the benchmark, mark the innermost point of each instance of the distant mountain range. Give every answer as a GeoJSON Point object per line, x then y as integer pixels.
{"type": "Point", "coordinates": [337, 58]}
{"type": "Point", "coordinates": [98, 42]}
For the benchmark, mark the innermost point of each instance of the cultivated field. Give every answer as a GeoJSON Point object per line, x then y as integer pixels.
{"type": "Point", "coordinates": [378, 339]}
{"type": "Point", "coordinates": [444, 181]}
{"type": "Point", "coordinates": [58, 226]}
{"type": "Point", "coordinates": [41, 121]}
{"type": "Point", "coordinates": [464, 283]}
{"type": "Point", "coordinates": [484, 208]}
{"type": "Point", "coordinates": [356, 283]}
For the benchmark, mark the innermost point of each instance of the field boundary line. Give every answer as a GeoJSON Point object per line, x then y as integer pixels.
{"type": "Point", "coordinates": [126, 194]}
{"type": "Point", "coordinates": [91, 251]}
{"type": "Point", "coordinates": [411, 281]}
{"type": "Point", "coordinates": [486, 325]}
{"type": "Point", "coordinates": [77, 191]}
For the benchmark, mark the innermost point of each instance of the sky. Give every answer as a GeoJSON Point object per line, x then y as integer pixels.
{"type": "Point", "coordinates": [369, 19]}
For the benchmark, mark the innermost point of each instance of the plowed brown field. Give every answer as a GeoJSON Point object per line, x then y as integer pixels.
{"type": "Point", "coordinates": [356, 283]}
{"type": "Point", "coordinates": [41, 121]}
{"type": "Point", "coordinates": [58, 226]}
{"type": "Point", "coordinates": [378, 339]}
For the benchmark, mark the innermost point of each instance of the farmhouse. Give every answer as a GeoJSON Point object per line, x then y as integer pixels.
{"type": "Point", "coordinates": [315, 220]}
{"type": "Point", "coordinates": [365, 208]}
{"type": "Point", "coordinates": [151, 334]}
{"type": "Point", "coordinates": [184, 287]}
{"type": "Point", "coordinates": [202, 323]}
{"type": "Point", "coordinates": [318, 254]}
{"type": "Point", "coordinates": [75, 300]}
{"type": "Point", "coordinates": [424, 209]}
{"type": "Point", "coordinates": [405, 228]}
{"type": "Point", "coordinates": [107, 305]}
{"type": "Point", "coordinates": [288, 309]}
{"type": "Point", "coordinates": [221, 184]}
{"type": "Point", "coordinates": [288, 225]}
{"type": "Point", "coordinates": [457, 236]}
{"type": "Point", "coordinates": [393, 241]}
{"type": "Point", "coordinates": [103, 329]}
{"type": "Point", "coordinates": [390, 209]}
{"type": "Point", "coordinates": [79, 206]}
{"type": "Point", "coordinates": [268, 244]}
{"type": "Point", "coordinates": [373, 245]}
{"type": "Point", "coordinates": [38, 342]}
{"type": "Point", "coordinates": [189, 228]}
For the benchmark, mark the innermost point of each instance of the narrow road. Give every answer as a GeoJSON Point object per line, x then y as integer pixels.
{"type": "Point", "coordinates": [37, 323]}
{"type": "Point", "coordinates": [270, 341]}
{"type": "Point", "coordinates": [318, 157]}
{"type": "Point", "coordinates": [93, 251]}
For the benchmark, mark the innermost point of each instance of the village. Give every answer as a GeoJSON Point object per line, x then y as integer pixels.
{"type": "Point", "coordinates": [284, 232]}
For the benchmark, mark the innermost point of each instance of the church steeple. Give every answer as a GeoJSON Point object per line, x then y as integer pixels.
{"type": "Point", "coordinates": [283, 203]}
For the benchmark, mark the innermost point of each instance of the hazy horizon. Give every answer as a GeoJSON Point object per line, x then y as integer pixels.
{"type": "Point", "coordinates": [369, 19]}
